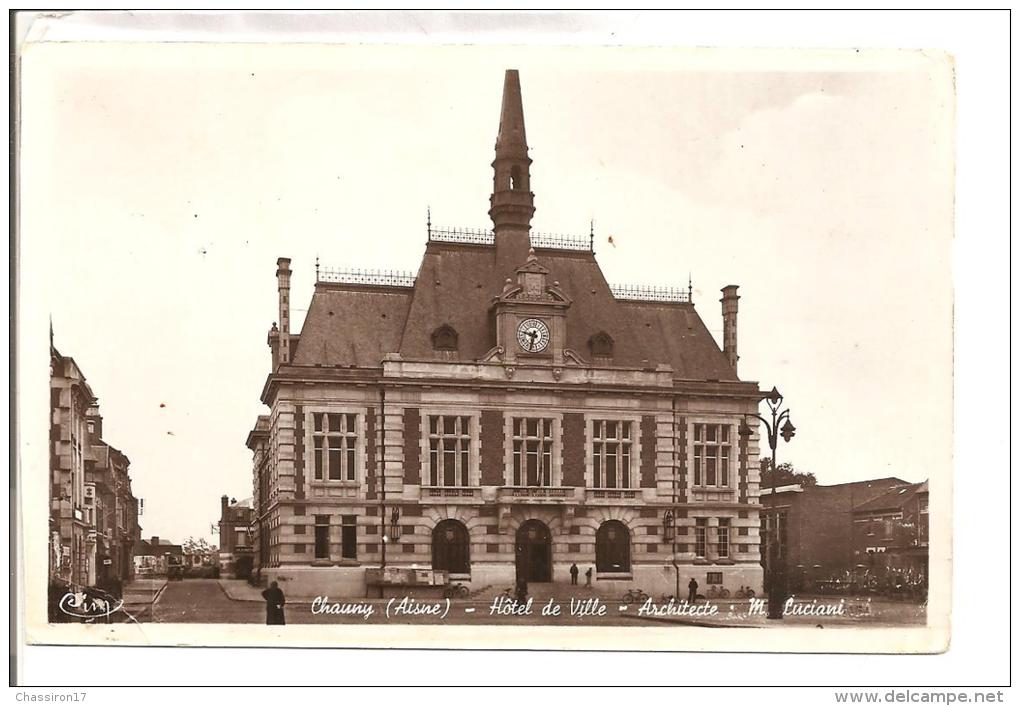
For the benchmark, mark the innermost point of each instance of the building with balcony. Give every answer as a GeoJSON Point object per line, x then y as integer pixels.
{"type": "Point", "coordinates": [111, 509]}
{"type": "Point", "coordinates": [504, 413]}
{"type": "Point", "coordinates": [93, 512]}
{"type": "Point", "coordinates": [71, 556]}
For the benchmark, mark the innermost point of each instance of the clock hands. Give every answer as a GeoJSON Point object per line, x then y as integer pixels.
{"type": "Point", "coordinates": [533, 335]}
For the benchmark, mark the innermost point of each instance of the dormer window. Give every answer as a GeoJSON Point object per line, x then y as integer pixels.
{"type": "Point", "coordinates": [601, 345]}
{"type": "Point", "coordinates": [444, 338]}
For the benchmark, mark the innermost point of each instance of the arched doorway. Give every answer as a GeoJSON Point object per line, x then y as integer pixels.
{"type": "Point", "coordinates": [451, 547]}
{"type": "Point", "coordinates": [612, 547]}
{"type": "Point", "coordinates": [534, 552]}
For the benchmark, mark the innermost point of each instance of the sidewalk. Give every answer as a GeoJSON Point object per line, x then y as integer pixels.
{"type": "Point", "coordinates": [143, 592]}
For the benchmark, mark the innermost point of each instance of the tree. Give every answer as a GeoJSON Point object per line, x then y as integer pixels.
{"type": "Point", "coordinates": [787, 475]}
{"type": "Point", "coordinates": [197, 546]}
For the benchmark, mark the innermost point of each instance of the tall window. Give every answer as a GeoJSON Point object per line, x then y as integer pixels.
{"type": "Point", "coordinates": [700, 537]}
{"type": "Point", "coordinates": [611, 454]}
{"type": "Point", "coordinates": [612, 547]}
{"type": "Point", "coordinates": [451, 548]}
{"type": "Point", "coordinates": [712, 455]}
{"type": "Point", "coordinates": [723, 538]}
{"type": "Point", "coordinates": [349, 536]}
{"type": "Point", "coordinates": [533, 441]}
{"type": "Point", "coordinates": [335, 438]}
{"type": "Point", "coordinates": [449, 450]}
{"type": "Point", "coordinates": [322, 536]}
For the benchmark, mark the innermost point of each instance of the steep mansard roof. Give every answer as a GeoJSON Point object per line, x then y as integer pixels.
{"type": "Point", "coordinates": [357, 325]}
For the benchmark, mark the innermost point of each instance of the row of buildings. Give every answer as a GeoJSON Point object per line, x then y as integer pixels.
{"type": "Point", "coordinates": [93, 519]}
{"type": "Point", "coordinates": [870, 532]}
{"type": "Point", "coordinates": [503, 414]}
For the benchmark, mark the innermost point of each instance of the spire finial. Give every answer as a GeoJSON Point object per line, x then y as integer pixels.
{"type": "Point", "coordinates": [511, 117]}
{"type": "Point", "coordinates": [428, 220]}
{"type": "Point", "coordinates": [316, 268]}
{"type": "Point", "coordinates": [591, 236]}
{"type": "Point", "coordinates": [690, 287]}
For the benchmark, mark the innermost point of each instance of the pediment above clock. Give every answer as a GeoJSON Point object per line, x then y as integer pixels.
{"type": "Point", "coordinates": [531, 285]}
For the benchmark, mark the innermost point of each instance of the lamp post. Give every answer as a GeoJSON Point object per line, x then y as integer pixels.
{"type": "Point", "coordinates": [775, 572]}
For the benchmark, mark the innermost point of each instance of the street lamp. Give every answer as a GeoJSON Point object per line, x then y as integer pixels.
{"type": "Point", "coordinates": [775, 573]}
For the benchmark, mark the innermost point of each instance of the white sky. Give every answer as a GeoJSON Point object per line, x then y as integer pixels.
{"type": "Point", "coordinates": [160, 184]}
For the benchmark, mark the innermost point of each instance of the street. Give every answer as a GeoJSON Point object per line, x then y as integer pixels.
{"type": "Point", "coordinates": [207, 601]}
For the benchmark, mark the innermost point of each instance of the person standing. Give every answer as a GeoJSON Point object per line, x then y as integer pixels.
{"type": "Point", "coordinates": [692, 591]}
{"type": "Point", "coordinates": [573, 574]}
{"type": "Point", "coordinates": [274, 604]}
{"type": "Point", "coordinates": [587, 577]}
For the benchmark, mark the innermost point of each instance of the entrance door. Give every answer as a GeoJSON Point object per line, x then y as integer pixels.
{"type": "Point", "coordinates": [534, 552]}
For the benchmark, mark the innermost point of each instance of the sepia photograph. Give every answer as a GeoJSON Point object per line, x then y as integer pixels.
{"type": "Point", "coordinates": [486, 346]}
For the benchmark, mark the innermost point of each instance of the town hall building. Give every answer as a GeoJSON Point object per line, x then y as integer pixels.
{"type": "Point", "coordinates": [504, 414]}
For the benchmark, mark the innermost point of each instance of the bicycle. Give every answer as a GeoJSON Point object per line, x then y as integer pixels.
{"type": "Point", "coordinates": [718, 592]}
{"type": "Point", "coordinates": [456, 590]}
{"type": "Point", "coordinates": [635, 594]}
{"type": "Point", "coordinates": [745, 592]}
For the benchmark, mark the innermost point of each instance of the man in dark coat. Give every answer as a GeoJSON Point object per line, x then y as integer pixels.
{"type": "Point", "coordinates": [587, 577]}
{"type": "Point", "coordinates": [692, 591]}
{"type": "Point", "coordinates": [573, 574]}
{"type": "Point", "coordinates": [274, 604]}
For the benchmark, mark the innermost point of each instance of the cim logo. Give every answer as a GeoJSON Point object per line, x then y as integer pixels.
{"type": "Point", "coordinates": [79, 605]}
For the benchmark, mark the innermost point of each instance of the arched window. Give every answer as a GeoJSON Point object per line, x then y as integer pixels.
{"type": "Point", "coordinates": [451, 548]}
{"type": "Point", "coordinates": [444, 338]}
{"type": "Point", "coordinates": [612, 547]}
{"type": "Point", "coordinates": [515, 178]}
{"type": "Point", "coordinates": [601, 345]}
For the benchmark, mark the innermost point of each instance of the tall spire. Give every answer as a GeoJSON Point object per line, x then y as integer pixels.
{"type": "Point", "coordinates": [512, 204]}
{"type": "Point", "coordinates": [511, 140]}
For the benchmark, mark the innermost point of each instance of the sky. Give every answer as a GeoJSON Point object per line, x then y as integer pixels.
{"type": "Point", "coordinates": [160, 183]}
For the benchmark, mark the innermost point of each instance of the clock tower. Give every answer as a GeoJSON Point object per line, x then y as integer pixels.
{"type": "Point", "coordinates": [531, 317]}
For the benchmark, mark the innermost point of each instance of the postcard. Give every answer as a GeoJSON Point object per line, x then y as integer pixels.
{"type": "Point", "coordinates": [486, 346]}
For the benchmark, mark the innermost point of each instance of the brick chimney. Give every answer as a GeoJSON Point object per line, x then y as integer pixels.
{"type": "Point", "coordinates": [224, 503]}
{"type": "Point", "coordinates": [283, 286]}
{"type": "Point", "coordinates": [729, 316]}
{"type": "Point", "coordinates": [154, 541]}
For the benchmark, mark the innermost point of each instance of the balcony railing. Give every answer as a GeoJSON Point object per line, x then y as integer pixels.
{"type": "Point", "coordinates": [473, 236]}
{"type": "Point", "coordinates": [449, 492]}
{"type": "Point", "coordinates": [640, 292]}
{"type": "Point", "coordinates": [536, 492]}
{"type": "Point", "coordinates": [386, 278]}
{"type": "Point", "coordinates": [559, 241]}
{"type": "Point", "coordinates": [482, 236]}
{"type": "Point", "coordinates": [442, 495]}
{"type": "Point", "coordinates": [613, 493]}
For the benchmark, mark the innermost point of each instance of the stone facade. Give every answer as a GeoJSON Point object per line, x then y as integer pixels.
{"type": "Point", "coordinates": [504, 415]}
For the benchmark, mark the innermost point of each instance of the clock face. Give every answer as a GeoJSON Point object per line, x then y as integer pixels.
{"type": "Point", "coordinates": [533, 335]}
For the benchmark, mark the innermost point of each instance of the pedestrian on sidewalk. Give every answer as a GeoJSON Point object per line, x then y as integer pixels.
{"type": "Point", "coordinates": [587, 577]}
{"type": "Point", "coordinates": [692, 591]}
{"type": "Point", "coordinates": [274, 604]}
{"type": "Point", "coordinates": [573, 574]}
